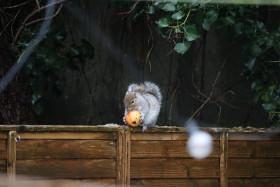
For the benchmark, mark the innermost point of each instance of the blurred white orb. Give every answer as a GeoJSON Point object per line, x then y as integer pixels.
{"type": "Point", "coordinates": [200, 145]}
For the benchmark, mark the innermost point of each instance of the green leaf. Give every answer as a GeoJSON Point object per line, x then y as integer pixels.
{"type": "Point", "coordinates": [228, 21]}
{"type": "Point", "coordinates": [169, 7]}
{"type": "Point", "coordinates": [191, 33]}
{"type": "Point", "coordinates": [182, 47]}
{"type": "Point", "coordinates": [210, 17]}
{"type": "Point", "coordinates": [151, 10]}
{"type": "Point", "coordinates": [178, 15]}
{"type": "Point", "coordinates": [256, 50]}
{"type": "Point", "coordinates": [178, 30]}
{"type": "Point", "coordinates": [250, 65]}
{"type": "Point", "coordinates": [268, 106]}
{"type": "Point", "coordinates": [163, 22]}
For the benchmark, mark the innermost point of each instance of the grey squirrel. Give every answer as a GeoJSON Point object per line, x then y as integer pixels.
{"type": "Point", "coordinates": [145, 98]}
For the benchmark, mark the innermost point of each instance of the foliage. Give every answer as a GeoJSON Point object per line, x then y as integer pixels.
{"type": "Point", "coordinates": [182, 24]}
{"type": "Point", "coordinates": [44, 68]}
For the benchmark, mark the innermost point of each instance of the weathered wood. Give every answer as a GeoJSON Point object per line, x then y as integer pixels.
{"type": "Point", "coordinates": [3, 135]}
{"type": "Point", "coordinates": [127, 153]}
{"type": "Point", "coordinates": [165, 149]}
{"type": "Point", "coordinates": [3, 149]}
{"type": "Point", "coordinates": [123, 158]}
{"type": "Point", "coordinates": [66, 149]}
{"type": "Point", "coordinates": [11, 161]}
{"type": "Point", "coordinates": [174, 168]}
{"type": "Point", "coordinates": [254, 136]}
{"type": "Point", "coordinates": [61, 128]}
{"type": "Point", "coordinates": [106, 128]}
{"type": "Point", "coordinates": [223, 159]}
{"type": "Point", "coordinates": [246, 168]}
{"type": "Point", "coordinates": [30, 182]}
{"type": "Point", "coordinates": [165, 136]}
{"type": "Point", "coordinates": [68, 169]}
{"type": "Point", "coordinates": [271, 182]}
{"type": "Point", "coordinates": [3, 167]}
{"type": "Point", "coordinates": [254, 149]}
{"type": "Point", "coordinates": [69, 135]}
{"type": "Point", "coordinates": [175, 182]}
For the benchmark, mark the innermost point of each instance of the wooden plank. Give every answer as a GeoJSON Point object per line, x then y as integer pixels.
{"type": "Point", "coordinates": [127, 153]}
{"type": "Point", "coordinates": [116, 128]}
{"type": "Point", "coordinates": [3, 149]}
{"type": "Point", "coordinates": [254, 136]}
{"type": "Point", "coordinates": [176, 182]}
{"type": "Point", "coordinates": [174, 168]}
{"type": "Point", "coordinates": [68, 169]}
{"type": "Point", "coordinates": [123, 159]}
{"type": "Point", "coordinates": [26, 182]}
{"type": "Point", "coordinates": [69, 135]}
{"type": "Point", "coordinates": [245, 168]}
{"type": "Point", "coordinates": [11, 161]}
{"type": "Point", "coordinates": [51, 149]}
{"type": "Point", "coordinates": [271, 182]}
{"type": "Point", "coordinates": [3, 167]}
{"type": "Point", "coordinates": [165, 136]}
{"type": "Point", "coordinates": [3, 135]}
{"type": "Point", "coordinates": [254, 149]}
{"type": "Point", "coordinates": [62, 128]}
{"type": "Point", "coordinates": [223, 159]}
{"type": "Point", "coordinates": [165, 149]}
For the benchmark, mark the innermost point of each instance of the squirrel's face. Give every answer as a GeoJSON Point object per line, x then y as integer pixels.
{"type": "Point", "coordinates": [130, 100]}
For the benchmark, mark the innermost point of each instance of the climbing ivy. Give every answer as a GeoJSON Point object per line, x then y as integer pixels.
{"type": "Point", "coordinates": [44, 70]}
{"type": "Point", "coordinates": [182, 23]}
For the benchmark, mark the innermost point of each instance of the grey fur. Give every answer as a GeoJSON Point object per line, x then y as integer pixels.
{"type": "Point", "coordinates": [145, 98]}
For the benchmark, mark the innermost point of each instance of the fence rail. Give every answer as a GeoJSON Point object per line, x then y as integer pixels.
{"type": "Point", "coordinates": [124, 156]}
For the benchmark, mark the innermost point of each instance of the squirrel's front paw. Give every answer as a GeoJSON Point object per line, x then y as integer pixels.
{"type": "Point", "coordinates": [141, 118]}
{"type": "Point", "coordinates": [144, 128]}
{"type": "Point", "coordinates": [124, 120]}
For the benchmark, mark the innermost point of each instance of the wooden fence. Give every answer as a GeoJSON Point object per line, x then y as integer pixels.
{"type": "Point", "coordinates": [123, 156]}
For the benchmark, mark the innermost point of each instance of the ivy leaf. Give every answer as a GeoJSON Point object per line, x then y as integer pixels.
{"type": "Point", "coordinates": [191, 33]}
{"type": "Point", "coordinates": [269, 106]}
{"type": "Point", "coordinates": [163, 22]}
{"type": "Point", "coordinates": [151, 10]}
{"type": "Point", "coordinates": [250, 65]}
{"type": "Point", "coordinates": [178, 30]}
{"type": "Point", "coordinates": [256, 50]}
{"type": "Point", "coordinates": [169, 7]}
{"type": "Point", "coordinates": [228, 21]}
{"type": "Point", "coordinates": [210, 17]}
{"type": "Point", "coordinates": [178, 15]}
{"type": "Point", "coordinates": [182, 47]}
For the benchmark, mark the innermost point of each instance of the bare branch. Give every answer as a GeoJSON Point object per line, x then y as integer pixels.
{"type": "Point", "coordinates": [38, 4]}
{"type": "Point", "coordinates": [152, 39]}
{"type": "Point", "coordinates": [23, 25]}
{"type": "Point", "coordinates": [43, 19]}
{"type": "Point", "coordinates": [210, 95]}
{"type": "Point", "coordinates": [131, 9]}
{"type": "Point", "coordinates": [15, 6]}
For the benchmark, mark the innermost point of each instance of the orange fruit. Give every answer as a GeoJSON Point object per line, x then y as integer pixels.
{"type": "Point", "coordinates": [132, 118]}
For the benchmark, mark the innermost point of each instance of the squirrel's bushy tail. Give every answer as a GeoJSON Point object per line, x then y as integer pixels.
{"type": "Point", "coordinates": [153, 89]}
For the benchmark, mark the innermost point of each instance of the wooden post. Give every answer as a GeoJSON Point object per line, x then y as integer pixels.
{"type": "Point", "coordinates": [11, 161]}
{"type": "Point", "coordinates": [123, 159]}
{"type": "Point", "coordinates": [223, 159]}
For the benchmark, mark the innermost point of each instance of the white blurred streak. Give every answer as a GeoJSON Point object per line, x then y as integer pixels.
{"type": "Point", "coordinates": [31, 47]}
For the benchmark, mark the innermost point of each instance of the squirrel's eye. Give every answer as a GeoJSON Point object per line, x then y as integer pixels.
{"type": "Point", "coordinates": [132, 101]}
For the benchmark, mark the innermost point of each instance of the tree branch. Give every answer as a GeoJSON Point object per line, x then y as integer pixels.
{"type": "Point", "coordinates": [23, 25]}
{"type": "Point", "coordinates": [43, 19]}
